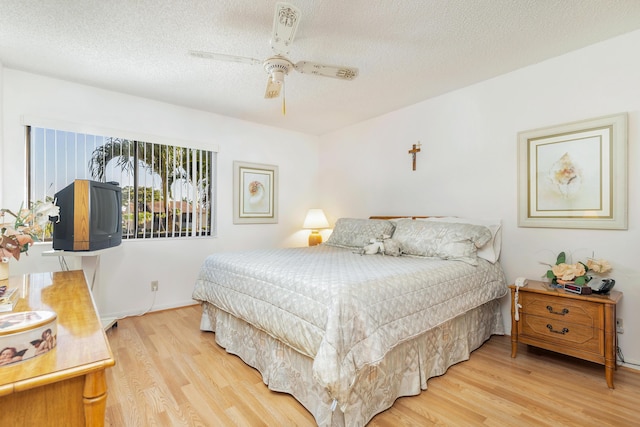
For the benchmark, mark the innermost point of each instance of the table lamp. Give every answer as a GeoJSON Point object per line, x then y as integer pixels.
{"type": "Point", "coordinates": [315, 220]}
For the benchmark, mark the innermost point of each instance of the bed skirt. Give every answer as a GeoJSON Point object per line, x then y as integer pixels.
{"type": "Point", "coordinates": [403, 372]}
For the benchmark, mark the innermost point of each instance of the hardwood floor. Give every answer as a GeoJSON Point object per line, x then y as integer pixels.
{"type": "Point", "coordinates": [169, 373]}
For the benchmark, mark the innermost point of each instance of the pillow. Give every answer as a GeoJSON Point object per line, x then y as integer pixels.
{"type": "Point", "coordinates": [357, 233]}
{"type": "Point", "coordinates": [455, 241]}
{"type": "Point", "coordinates": [491, 250]}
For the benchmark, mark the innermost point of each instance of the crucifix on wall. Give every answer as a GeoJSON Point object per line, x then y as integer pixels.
{"type": "Point", "coordinates": [415, 150]}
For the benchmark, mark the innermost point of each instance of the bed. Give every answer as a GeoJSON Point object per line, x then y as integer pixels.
{"type": "Point", "coordinates": [347, 333]}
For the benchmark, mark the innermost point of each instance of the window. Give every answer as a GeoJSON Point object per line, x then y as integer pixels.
{"type": "Point", "coordinates": [167, 190]}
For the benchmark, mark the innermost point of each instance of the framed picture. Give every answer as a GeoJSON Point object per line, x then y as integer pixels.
{"type": "Point", "coordinates": [574, 175]}
{"type": "Point", "coordinates": [255, 195]}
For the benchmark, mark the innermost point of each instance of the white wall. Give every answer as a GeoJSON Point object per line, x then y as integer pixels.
{"type": "Point", "coordinates": [467, 167]}
{"type": "Point", "coordinates": [468, 163]}
{"type": "Point", "coordinates": [126, 272]}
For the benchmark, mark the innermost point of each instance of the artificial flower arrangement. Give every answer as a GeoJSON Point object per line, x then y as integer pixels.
{"type": "Point", "coordinates": [26, 227]}
{"type": "Point", "coordinates": [563, 273]}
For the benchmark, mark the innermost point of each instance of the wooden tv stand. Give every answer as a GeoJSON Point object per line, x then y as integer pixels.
{"type": "Point", "coordinates": [66, 386]}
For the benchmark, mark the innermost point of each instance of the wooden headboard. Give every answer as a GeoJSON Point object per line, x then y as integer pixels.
{"type": "Point", "coordinates": [399, 216]}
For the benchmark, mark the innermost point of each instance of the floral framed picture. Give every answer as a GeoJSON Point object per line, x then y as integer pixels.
{"type": "Point", "coordinates": [255, 195]}
{"type": "Point", "coordinates": [574, 175]}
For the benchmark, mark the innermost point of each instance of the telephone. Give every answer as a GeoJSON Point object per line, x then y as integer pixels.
{"type": "Point", "coordinates": [520, 282]}
{"type": "Point", "coordinates": [602, 286]}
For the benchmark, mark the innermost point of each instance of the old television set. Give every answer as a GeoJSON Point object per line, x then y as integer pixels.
{"type": "Point", "coordinates": [90, 216]}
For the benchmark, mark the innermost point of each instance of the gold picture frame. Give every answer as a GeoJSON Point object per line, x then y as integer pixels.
{"type": "Point", "coordinates": [574, 175]}
{"type": "Point", "coordinates": [255, 195]}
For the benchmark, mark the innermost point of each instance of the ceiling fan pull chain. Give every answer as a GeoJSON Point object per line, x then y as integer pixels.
{"type": "Point", "coordinates": [284, 104]}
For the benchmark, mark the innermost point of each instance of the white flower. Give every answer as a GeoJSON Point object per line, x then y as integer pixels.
{"type": "Point", "coordinates": [576, 272]}
{"type": "Point", "coordinates": [568, 271]}
{"type": "Point", "coordinates": [599, 265]}
{"type": "Point", "coordinates": [27, 226]}
{"type": "Point", "coordinates": [43, 211]}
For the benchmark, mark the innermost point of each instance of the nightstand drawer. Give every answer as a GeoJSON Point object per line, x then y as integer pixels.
{"type": "Point", "coordinates": [563, 309]}
{"type": "Point", "coordinates": [558, 331]}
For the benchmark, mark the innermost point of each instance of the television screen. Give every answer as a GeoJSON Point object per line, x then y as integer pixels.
{"type": "Point", "coordinates": [103, 203]}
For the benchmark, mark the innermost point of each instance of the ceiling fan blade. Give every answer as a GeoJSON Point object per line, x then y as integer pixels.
{"type": "Point", "coordinates": [285, 25]}
{"type": "Point", "coordinates": [223, 57]}
{"type": "Point", "coordinates": [335, 71]}
{"type": "Point", "coordinates": [273, 89]}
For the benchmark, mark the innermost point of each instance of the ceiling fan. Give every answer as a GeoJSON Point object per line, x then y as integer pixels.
{"type": "Point", "coordinates": [285, 24]}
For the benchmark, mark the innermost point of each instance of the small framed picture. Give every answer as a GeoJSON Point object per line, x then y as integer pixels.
{"type": "Point", "coordinates": [255, 195]}
{"type": "Point", "coordinates": [574, 175]}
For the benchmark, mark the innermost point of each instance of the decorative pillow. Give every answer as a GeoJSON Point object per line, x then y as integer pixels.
{"type": "Point", "coordinates": [357, 233]}
{"type": "Point", "coordinates": [444, 240]}
{"type": "Point", "coordinates": [491, 250]}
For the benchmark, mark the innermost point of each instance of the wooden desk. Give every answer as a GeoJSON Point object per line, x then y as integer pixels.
{"type": "Point", "coordinates": [66, 386]}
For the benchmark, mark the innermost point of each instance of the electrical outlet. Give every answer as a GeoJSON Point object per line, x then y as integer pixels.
{"type": "Point", "coordinates": [619, 326]}
{"type": "Point", "coordinates": [154, 286]}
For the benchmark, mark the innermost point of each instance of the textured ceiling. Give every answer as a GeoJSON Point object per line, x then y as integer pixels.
{"type": "Point", "coordinates": [406, 50]}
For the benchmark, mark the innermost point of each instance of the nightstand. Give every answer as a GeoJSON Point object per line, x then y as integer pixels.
{"type": "Point", "coordinates": [582, 326]}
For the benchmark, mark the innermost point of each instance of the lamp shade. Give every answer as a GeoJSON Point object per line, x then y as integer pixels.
{"type": "Point", "coordinates": [315, 220]}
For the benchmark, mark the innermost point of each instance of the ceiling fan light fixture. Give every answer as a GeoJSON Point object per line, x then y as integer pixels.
{"type": "Point", "coordinates": [273, 89]}
{"type": "Point", "coordinates": [277, 76]}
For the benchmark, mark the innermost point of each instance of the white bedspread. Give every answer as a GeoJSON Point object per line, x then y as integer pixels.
{"type": "Point", "coordinates": [344, 310]}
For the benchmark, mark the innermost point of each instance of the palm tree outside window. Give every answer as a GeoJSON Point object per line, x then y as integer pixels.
{"type": "Point", "coordinates": [167, 190]}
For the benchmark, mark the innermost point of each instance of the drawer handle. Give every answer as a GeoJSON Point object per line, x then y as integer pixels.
{"type": "Point", "coordinates": [561, 313]}
{"type": "Point", "coordinates": [563, 331]}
